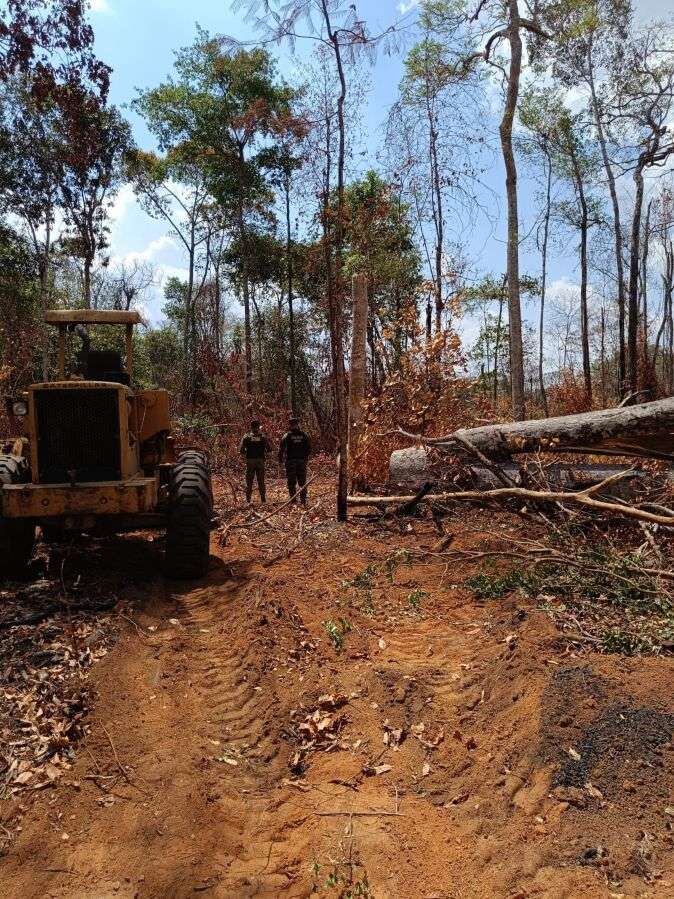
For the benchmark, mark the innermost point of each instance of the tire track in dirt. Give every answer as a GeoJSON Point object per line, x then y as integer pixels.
{"type": "Point", "coordinates": [204, 705]}
{"type": "Point", "coordinates": [242, 724]}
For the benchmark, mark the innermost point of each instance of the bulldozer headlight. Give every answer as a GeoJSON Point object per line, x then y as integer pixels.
{"type": "Point", "coordinates": [20, 408]}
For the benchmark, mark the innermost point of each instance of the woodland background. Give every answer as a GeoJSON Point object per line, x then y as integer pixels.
{"type": "Point", "coordinates": [261, 181]}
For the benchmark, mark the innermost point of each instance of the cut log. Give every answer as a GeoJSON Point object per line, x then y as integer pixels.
{"type": "Point", "coordinates": [643, 430]}
{"type": "Point", "coordinates": [646, 429]}
{"type": "Point", "coordinates": [409, 466]}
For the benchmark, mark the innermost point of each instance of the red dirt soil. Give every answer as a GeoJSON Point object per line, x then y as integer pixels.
{"type": "Point", "coordinates": [538, 772]}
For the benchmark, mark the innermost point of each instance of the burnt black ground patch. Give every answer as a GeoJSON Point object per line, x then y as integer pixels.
{"type": "Point", "coordinates": [622, 746]}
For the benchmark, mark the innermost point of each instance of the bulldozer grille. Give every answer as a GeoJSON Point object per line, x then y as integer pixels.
{"type": "Point", "coordinates": [77, 435]}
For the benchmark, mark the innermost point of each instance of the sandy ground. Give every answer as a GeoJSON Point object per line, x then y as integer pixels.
{"type": "Point", "coordinates": [445, 748]}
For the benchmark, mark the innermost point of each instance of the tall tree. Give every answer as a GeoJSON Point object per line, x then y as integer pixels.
{"type": "Point", "coordinates": [538, 113]}
{"type": "Point", "coordinates": [379, 246]}
{"type": "Point", "coordinates": [284, 162]}
{"type": "Point", "coordinates": [644, 103]}
{"type": "Point", "coordinates": [29, 187]}
{"type": "Point", "coordinates": [586, 54]}
{"type": "Point", "coordinates": [336, 26]}
{"type": "Point", "coordinates": [432, 148]}
{"type": "Point", "coordinates": [93, 141]}
{"type": "Point", "coordinates": [508, 25]}
{"type": "Point", "coordinates": [220, 109]}
{"type": "Point", "coordinates": [50, 43]}
{"type": "Point", "coordinates": [172, 188]}
{"type": "Point", "coordinates": [497, 24]}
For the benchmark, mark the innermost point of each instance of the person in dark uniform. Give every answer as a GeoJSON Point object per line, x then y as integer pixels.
{"type": "Point", "coordinates": [254, 448]}
{"type": "Point", "coordinates": [295, 450]}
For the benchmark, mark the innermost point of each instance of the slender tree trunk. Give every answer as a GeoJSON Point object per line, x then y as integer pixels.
{"type": "Point", "coordinates": [667, 287]}
{"type": "Point", "coordinates": [291, 311]}
{"type": "Point", "coordinates": [643, 278]}
{"type": "Point", "coordinates": [188, 385]}
{"type": "Point", "coordinates": [436, 199]}
{"type": "Point", "coordinates": [45, 278]}
{"type": "Point", "coordinates": [245, 292]}
{"type": "Point", "coordinates": [617, 227]}
{"type": "Point", "coordinates": [544, 271]}
{"type": "Point", "coordinates": [513, 269]}
{"type": "Point", "coordinates": [216, 313]}
{"type": "Point", "coordinates": [335, 294]}
{"type": "Point", "coordinates": [86, 279]}
{"type": "Point", "coordinates": [439, 228]}
{"type": "Point", "coordinates": [602, 357]}
{"type": "Point", "coordinates": [357, 372]}
{"type": "Point", "coordinates": [584, 219]}
{"type": "Point", "coordinates": [497, 341]}
{"type": "Point", "coordinates": [633, 296]}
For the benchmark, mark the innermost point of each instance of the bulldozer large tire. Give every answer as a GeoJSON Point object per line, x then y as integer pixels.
{"type": "Point", "coordinates": [188, 532]}
{"type": "Point", "coordinates": [17, 535]}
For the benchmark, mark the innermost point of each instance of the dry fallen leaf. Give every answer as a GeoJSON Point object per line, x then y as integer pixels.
{"type": "Point", "coordinates": [430, 742]}
{"type": "Point", "coordinates": [594, 792]}
{"type": "Point", "coordinates": [382, 643]}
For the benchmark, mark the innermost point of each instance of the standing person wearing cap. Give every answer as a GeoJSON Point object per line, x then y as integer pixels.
{"type": "Point", "coordinates": [295, 450]}
{"type": "Point", "coordinates": [254, 448]}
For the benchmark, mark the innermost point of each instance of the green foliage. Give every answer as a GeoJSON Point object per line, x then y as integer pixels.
{"type": "Point", "coordinates": [609, 592]}
{"type": "Point", "coordinates": [616, 640]}
{"type": "Point", "coordinates": [214, 114]}
{"type": "Point", "coordinates": [415, 597]}
{"type": "Point", "coordinates": [345, 885]}
{"type": "Point", "coordinates": [365, 580]}
{"type": "Point", "coordinates": [392, 561]}
{"type": "Point", "coordinates": [158, 358]}
{"type": "Point", "coordinates": [196, 424]}
{"type": "Point", "coordinates": [337, 631]}
{"type": "Point", "coordinates": [494, 586]}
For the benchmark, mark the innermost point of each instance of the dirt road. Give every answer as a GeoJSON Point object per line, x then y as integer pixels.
{"type": "Point", "coordinates": [347, 721]}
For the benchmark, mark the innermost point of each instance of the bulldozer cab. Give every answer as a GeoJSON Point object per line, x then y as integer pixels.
{"type": "Point", "coordinates": [94, 364]}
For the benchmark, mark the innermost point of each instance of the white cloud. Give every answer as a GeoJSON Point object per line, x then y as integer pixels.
{"type": "Point", "coordinates": [405, 7]}
{"type": "Point", "coordinates": [124, 200]}
{"type": "Point", "coordinates": [101, 6]}
{"type": "Point", "coordinates": [153, 251]}
{"type": "Point", "coordinates": [162, 253]}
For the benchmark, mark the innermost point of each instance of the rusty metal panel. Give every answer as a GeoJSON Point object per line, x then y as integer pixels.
{"type": "Point", "coordinates": [152, 411]}
{"type": "Point", "coordinates": [104, 498]}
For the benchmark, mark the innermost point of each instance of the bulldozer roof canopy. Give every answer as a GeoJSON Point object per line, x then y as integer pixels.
{"type": "Point", "coordinates": [92, 317]}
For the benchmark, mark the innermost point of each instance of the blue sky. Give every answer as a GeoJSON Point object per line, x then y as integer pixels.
{"type": "Point", "coordinates": [138, 39]}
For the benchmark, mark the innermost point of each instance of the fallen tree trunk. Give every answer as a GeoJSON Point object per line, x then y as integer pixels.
{"type": "Point", "coordinates": [585, 497]}
{"type": "Point", "coordinates": [643, 430]}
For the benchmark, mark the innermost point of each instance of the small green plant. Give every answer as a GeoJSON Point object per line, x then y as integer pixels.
{"type": "Point", "coordinates": [415, 597]}
{"type": "Point", "coordinates": [626, 644]}
{"type": "Point", "coordinates": [347, 887]}
{"type": "Point", "coordinates": [337, 631]}
{"type": "Point", "coordinates": [493, 586]}
{"type": "Point", "coordinates": [363, 581]}
{"type": "Point", "coordinates": [399, 557]}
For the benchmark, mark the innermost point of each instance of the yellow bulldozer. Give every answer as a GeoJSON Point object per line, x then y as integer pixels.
{"type": "Point", "coordinates": [93, 455]}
